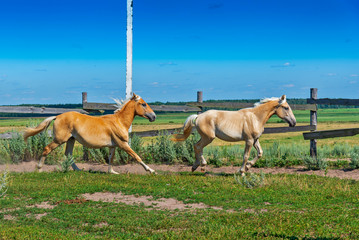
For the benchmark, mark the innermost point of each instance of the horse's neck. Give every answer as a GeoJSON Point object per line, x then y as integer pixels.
{"type": "Point", "coordinates": [126, 114]}
{"type": "Point", "coordinates": [265, 111]}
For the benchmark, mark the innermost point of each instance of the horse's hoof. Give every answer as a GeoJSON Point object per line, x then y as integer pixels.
{"type": "Point", "coordinates": [113, 172]}
{"type": "Point", "coordinates": [203, 169]}
{"type": "Point", "coordinates": [194, 168]}
{"type": "Point", "coordinates": [38, 168]}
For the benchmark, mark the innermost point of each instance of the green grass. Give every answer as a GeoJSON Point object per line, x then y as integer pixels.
{"type": "Point", "coordinates": [286, 206]}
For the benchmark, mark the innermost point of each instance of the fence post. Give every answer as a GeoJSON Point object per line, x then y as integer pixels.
{"type": "Point", "coordinates": [200, 100]}
{"type": "Point", "coordinates": [313, 122]}
{"type": "Point", "coordinates": [84, 97]}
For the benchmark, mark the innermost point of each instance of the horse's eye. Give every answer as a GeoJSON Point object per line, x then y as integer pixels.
{"type": "Point", "coordinates": [286, 108]}
{"type": "Point", "coordinates": [144, 104]}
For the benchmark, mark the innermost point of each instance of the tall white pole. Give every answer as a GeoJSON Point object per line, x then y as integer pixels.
{"type": "Point", "coordinates": [129, 49]}
{"type": "Point", "coordinates": [129, 52]}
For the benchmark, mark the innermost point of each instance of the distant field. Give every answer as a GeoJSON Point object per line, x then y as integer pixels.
{"type": "Point", "coordinates": [324, 115]}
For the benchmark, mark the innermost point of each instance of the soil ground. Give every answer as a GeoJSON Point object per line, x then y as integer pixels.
{"type": "Point", "coordinates": [138, 169]}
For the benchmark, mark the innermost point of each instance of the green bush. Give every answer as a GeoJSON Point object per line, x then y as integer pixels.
{"type": "Point", "coordinates": [315, 163]}
{"type": "Point", "coordinates": [215, 160]}
{"type": "Point", "coordinates": [354, 160]}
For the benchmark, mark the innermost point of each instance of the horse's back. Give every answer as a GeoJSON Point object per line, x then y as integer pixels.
{"type": "Point", "coordinates": [227, 125]}
{"type": "Point", "coordinates": [90, 131]}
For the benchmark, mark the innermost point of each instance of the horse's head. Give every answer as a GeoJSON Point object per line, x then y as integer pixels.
{"type": "Point", "coordinates": [142, 109]}
{"type": "Point", "coordinates": [285, 112]}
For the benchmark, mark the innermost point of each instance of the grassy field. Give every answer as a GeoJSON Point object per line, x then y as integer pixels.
{"type": "Point", "coordinates": [51, 206]}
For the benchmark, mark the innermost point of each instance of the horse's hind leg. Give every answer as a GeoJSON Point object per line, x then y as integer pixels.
{"type": "Point", "coordinates": [68, 152]}
{"type": "Point", "coordinates": [198, 149]}
{"type": "Point", "coordinates": [257, 146]}
{"type": "Point", "coordinates": [247, 151]}
{"type": "Point", "coordinates": [110, 161]}
{"type": "Point", "coordinates": [46, 152]}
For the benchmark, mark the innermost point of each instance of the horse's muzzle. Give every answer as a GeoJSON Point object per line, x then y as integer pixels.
{"type": "Point", "coordinates": [151, 116]}
{"type": "Point", "coordinates": [292, 122]}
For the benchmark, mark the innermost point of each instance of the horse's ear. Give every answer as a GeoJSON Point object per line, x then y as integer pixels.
{"type": "Point", "coordinates": [135, 97]}
{"type": "Point", "coordinates": [283, 99]}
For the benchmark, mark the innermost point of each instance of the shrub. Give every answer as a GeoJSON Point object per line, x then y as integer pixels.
{"type": "Point", "coordinates": [315, 163]}
{"type": "Point", "coordinates": [354, 160]}
{"type": "Point", "coordinates": [165, 149]}
{"type": "Point", "coordinates": [215, 160]}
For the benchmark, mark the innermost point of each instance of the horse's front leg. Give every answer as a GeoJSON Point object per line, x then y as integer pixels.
{"type": "Point", "coordinates": [257, 146]}
{"type": "Point", "coordinates": [129, 151]}
{"type": "Point", "coordinates": [110, 161]}
{"type": "Point", "coordinates": [247, 151]}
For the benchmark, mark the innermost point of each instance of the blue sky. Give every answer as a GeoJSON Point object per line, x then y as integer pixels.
{"type": "Point", "coordinates": [52, 50]}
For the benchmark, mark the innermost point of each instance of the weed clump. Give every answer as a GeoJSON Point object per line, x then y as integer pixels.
{"type": "Point", "coordinates": [4, 183]}
{"type": "Point", "coordinates": [250, 180]}
{"type": "Point", "coordinates": [66, 163]}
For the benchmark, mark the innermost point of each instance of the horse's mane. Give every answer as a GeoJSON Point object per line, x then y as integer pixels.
{"type": "Point", "coordinates": [265, 100]}
{"type": "Point", "coordinates": [121, 103]}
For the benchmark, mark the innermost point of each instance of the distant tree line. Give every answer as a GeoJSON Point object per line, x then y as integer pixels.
{"type": "Point", "coordinates": [79, 106]}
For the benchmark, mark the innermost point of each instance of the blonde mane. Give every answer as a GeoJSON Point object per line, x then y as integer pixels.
{"type": "Point", "coordinates": [121, 103]}
{"type": "Point", "coordinates": [265, 100]}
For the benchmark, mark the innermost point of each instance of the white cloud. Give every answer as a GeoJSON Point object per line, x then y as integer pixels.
{"type": "Point", "coordinates": [170, 63]}
{"type": "Point", "coordinates": [284, 65]}
{"type": "Point", "coordinates": [354, 75]}
{"type": "Point", "coordinates": [288, 85]}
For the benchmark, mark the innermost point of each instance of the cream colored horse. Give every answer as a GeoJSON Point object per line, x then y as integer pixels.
{"type": "Point", "coordinates": [96, 132]}
{"type": "Point", "coordinates": [245, 124]}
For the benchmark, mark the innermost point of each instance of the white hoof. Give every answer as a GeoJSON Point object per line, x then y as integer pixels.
{"type": "Point", "coordinates": [113, 172]}
{"type": "Point", "coordinates": [39, 168]}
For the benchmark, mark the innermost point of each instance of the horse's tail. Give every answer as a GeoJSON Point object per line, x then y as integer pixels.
{"type": "Point", "coordinates": [187, 129]}
{"type": "Point", "coordinates": [29, 132]}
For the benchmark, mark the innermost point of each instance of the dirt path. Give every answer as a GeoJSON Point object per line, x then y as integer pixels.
{"type": "Point", "coordinates": [137, 169]}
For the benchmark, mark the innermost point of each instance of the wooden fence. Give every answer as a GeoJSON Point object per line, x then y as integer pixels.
{"type": "Point", "coordinates": [314, 134]}
{"type": "Point", "coordinates": [198, 107]}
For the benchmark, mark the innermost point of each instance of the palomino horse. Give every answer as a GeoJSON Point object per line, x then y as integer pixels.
{"type": "Point", "coordinates": [246, 124]}
{"type": "Point", "coordinates": [96, 132]}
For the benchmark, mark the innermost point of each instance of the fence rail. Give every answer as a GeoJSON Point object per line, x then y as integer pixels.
{"type": "Point", "coordinates": [331, 133]}
{"type": "Point", "coordinates": [38, 110]}
{"type": "Point", "coordinates": [328, 101]}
